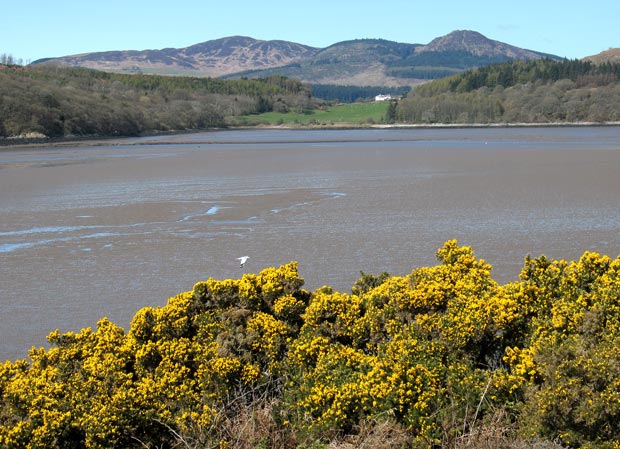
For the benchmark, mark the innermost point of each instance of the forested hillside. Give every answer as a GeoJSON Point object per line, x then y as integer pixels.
{"type": "Point", "coordinates": [60, 102]}
{"type": "Point", "coordinates": [43, 101]}
{"type": "Point", "coordinates": [442, 357]}
{"type": "Point", "coordinates": [540, 91]}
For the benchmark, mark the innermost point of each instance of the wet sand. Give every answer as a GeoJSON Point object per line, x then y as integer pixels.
{"type": "Point", "coordinates": [103, 230]}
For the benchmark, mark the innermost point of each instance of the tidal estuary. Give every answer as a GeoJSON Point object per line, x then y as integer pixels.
{"type": "Point", "coordinates": [93, 230]}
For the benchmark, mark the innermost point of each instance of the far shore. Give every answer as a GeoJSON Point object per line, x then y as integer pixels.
{"type": "Point", "coordinates": [34, 142]}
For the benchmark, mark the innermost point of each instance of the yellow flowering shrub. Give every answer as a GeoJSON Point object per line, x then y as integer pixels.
{"type": "Point", "coordinates": [78, 393]}
{"type": "Point", "coordinates": [269, 340]}
{"type": "Point", "coordinates": [409, 346]}
{"type": "Point", "coordinates": [250, 292]}
{"type": "Point", "coordinates": [276, 283]}
{"type": "Point", "coordinates": [571, 365]}
{"type": "Point", "coordinates": [439, 352]}
{"type": "Point", "coordinates": [334, 315]}
{"type": "Point", "coordinates": [289, 308]}
{"type": "Point", "coordinates": [173, 371]}
{"type": "Point", "coordinates": [332, 393]}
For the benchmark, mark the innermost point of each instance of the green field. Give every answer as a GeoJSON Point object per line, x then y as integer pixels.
{"type": "Point", "coordinates": [355, 114]}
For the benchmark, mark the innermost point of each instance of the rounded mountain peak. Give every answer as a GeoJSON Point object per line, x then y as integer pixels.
{"type": "Point", "coordinates": [476, 44]}
{"type": "Point", "coordinates": [459, 40]}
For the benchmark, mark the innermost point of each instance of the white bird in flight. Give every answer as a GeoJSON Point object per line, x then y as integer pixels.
{"type": "Point", "coordinates": [242, 260]}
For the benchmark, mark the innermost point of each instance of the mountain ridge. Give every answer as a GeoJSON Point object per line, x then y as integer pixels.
{"type": "Point", "coordinates": [352, 62]}
{"type": "Point", "coordinates": [213, 58]}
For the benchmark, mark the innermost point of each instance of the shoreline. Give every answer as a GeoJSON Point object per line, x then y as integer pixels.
{"type": "Point", "coordinates": [30, 142]}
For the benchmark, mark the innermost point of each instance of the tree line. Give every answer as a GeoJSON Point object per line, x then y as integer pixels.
{"type": "Point", "coordinates": [539, 91]}
{"type": "Point", "coordinates": [512, 73]}
{"type": "Point", "coordinates": [9, 59]}
{"type": "Point", "coordinates": [58, 102]}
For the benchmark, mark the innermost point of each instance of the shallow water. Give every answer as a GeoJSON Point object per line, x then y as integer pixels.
{"type": "Point", "coordinates": [102, 230]}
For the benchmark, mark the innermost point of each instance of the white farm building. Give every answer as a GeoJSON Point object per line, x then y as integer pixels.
{"type": "Point", "coordinates": [382, 97]}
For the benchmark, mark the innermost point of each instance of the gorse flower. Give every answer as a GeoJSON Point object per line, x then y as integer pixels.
{"type": "Point", "coordinates": [438, 351]}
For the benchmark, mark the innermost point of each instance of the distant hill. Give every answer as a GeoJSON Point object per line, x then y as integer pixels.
{"type": "Point", "coordinates": [477, 45]}
{"type": "Point", "coordinates": [611, 55]}
{"type": "Point", "coordinates": [362, 62]}
{"type": "Point", "coordinates": [212, 58]}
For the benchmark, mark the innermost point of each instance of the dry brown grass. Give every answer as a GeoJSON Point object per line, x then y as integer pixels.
{"type": "Point", "coordinates": [498, 433]}
{"type": "Point", "coordinates": [373, 434]}
{"type": "Point", "coordinates": [253, 421]}
{"type": "Point", "coordinates": [254, 427]}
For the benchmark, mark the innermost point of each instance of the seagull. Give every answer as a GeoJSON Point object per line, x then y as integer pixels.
{"type": "Point", "coordinates": [242, 260]}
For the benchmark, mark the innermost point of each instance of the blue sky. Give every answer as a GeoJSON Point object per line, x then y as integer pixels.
{"type": "Point", "coordinates": [46, 28]}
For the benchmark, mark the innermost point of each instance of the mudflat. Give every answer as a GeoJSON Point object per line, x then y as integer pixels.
{"type": "Point", "coordinates": [93, 230]}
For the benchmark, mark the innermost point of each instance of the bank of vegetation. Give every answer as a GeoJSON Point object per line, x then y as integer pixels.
{"type": "Point", "coordinates": [47, 101]}
{"type": "Point", "coordinates": [442, 357]}
{"type": "Point", "coordinates": [61, 102]}
{"type": "Point", "coordinates": [539, 91]}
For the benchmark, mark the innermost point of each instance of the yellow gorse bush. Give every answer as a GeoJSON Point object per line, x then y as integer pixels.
{"type": "Point", "coordinates": [441, 351]}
